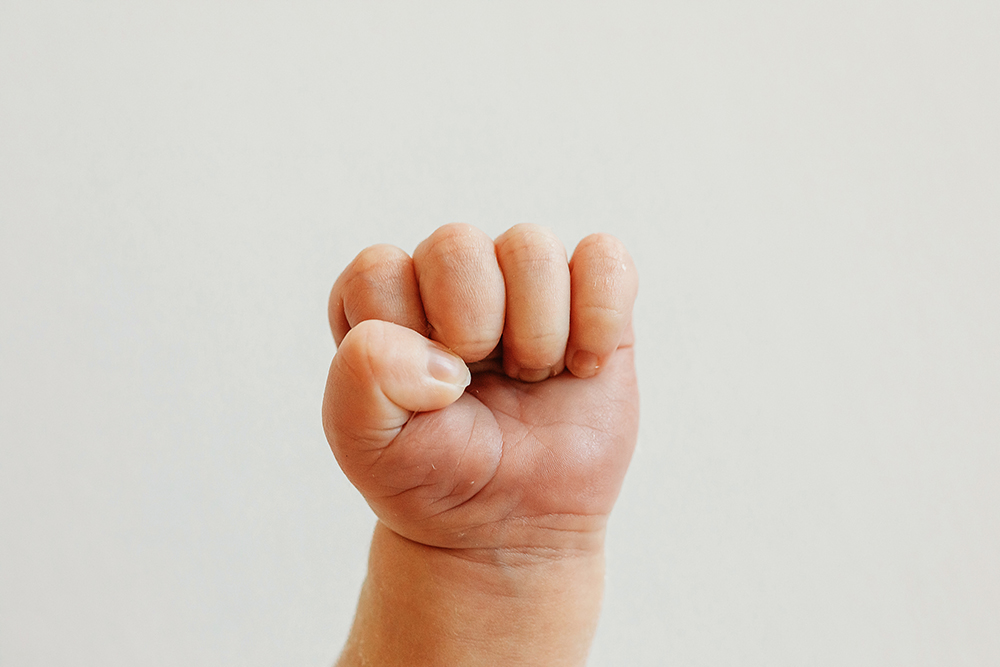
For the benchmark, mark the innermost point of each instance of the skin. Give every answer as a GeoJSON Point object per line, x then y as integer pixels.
{"type": "Point", "coordinates": [483, 400]}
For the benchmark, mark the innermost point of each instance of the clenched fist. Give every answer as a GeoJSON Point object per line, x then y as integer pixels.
{"type": "Point", "coordinates": [483, 398]}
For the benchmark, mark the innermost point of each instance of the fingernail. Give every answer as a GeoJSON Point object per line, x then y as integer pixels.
{"type": "Point", "coordinates": [446, 367]}
{"type": "Point", "coordinates": [533, 374]}
{"type": "Point", "coordinates": [584, 364]}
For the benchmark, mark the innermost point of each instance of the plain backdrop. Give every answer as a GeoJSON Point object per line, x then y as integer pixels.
{"type": "Point", "coordinates": [811, 192]}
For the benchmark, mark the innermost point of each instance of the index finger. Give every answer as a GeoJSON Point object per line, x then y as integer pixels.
{"type": "Point", "coordinates": [380, 284]}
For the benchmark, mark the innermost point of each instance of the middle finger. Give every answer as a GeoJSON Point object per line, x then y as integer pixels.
{"type": "Point", "coordinates": [537, 276]}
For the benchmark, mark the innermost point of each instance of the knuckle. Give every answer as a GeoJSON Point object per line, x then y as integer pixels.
{"type": "Point", "coordinates": [379, 262]}
{"type": "Point", "coordinates": [603, 272]}
{"type": "Point", "coordinates": [531, 241]}
{"type": "Point", "coordinates": [534, 261]}
{"type": "Point", "coordinates": [457, 229]}
{"type": "Point", "coordinates": [375, 280]}
{"type": "Point", "coordinates": [455, 244]}
{"type": "Point", "coordinates": [533, 252]}
{"type": "Point", "coordinates": [603, 252]}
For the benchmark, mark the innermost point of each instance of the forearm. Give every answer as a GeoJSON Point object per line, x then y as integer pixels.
{"type": "Point", "coordinates": [426, 606]}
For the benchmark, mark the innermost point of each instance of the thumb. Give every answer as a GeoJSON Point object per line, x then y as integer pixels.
{"type": "Point", "coordinates": [382, 374]}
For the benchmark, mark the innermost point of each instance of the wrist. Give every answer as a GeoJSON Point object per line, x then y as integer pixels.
{"type": "Point", "coordinates": [424, 605]}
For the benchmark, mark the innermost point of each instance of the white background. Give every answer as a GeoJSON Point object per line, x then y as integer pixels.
{"type": "Point", "coordinates": [811, 192]}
